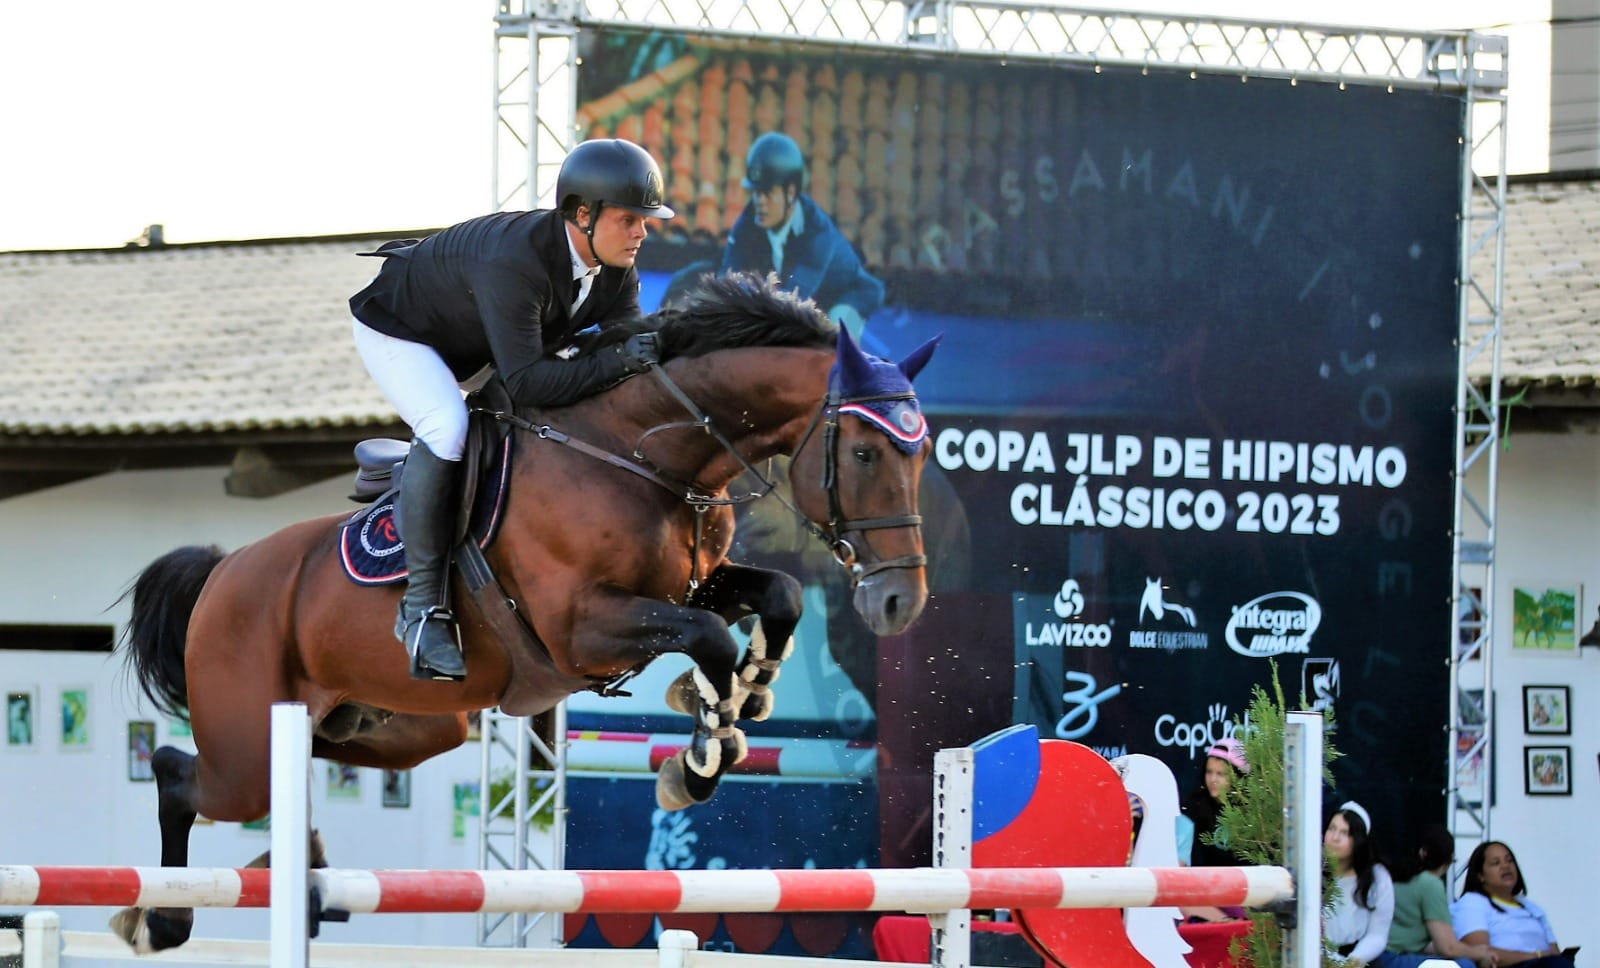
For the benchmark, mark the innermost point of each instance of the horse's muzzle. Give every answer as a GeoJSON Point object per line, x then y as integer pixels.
{"type": "Point", "coordinates": [891, 600]}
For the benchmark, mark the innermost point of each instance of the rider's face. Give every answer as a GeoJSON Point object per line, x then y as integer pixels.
{"type": "Point", "coordinates": [773, 205]}
{"type": "Point", "coordinates": [618, 234]}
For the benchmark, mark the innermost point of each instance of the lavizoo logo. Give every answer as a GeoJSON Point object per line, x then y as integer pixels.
{"type": "Point", "coordinates": [1277, 623]}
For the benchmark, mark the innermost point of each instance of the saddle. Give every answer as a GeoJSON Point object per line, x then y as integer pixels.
{"type": "Point", "coordinates": [369, 541]}
{"type": "Point", "coordinates": [372, 554]}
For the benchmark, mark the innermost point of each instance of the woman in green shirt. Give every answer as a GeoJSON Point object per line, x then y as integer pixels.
{"type": "Point", "coordinates": [1421, 927]}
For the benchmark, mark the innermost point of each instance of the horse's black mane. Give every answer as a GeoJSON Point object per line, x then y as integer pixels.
{"type": "Point", "coordinates": [729, 311]}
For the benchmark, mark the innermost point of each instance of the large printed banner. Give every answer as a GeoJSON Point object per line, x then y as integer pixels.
{"type": "Point", "coordinates": [1192, 412]}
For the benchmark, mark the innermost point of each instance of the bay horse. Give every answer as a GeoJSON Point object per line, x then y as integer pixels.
{"type": "Point", "coordinates": [613, 547]}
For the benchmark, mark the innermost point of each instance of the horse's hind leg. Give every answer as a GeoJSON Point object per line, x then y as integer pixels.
{"type": "Point", "coordinates": [155, 929]}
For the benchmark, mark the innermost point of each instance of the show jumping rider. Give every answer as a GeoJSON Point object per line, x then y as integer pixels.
{"type": "Point", "coordinates": [504, 291]}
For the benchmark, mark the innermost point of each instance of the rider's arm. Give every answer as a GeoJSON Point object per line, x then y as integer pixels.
{"type": "Point", "coordinates": [513, 306]}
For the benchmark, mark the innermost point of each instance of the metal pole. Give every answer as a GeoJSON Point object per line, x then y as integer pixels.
{"type": "Point", "coordinates": [291, 835]}
{"type": "Point", "coordinates": [41, 939]}
{"type": "Point", "coordinates": [951, 943]}
{"type": "Point", "coordinates": [1302, 832]}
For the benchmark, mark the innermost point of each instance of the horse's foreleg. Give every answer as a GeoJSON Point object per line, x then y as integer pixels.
{"type": "Point", "coordinates": [156, 929]}
{"type": "Point", "coordinates": [774, 597]}
{"type": "Point", "coordinates": [623, 631]}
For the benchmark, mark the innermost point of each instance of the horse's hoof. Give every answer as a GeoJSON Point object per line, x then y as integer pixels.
{"type": "Point", "coordinates": [738, 747]}
{"type": "Point", "coordinates": [168, 927]}
{"type": "Point", "coordinates": [672, 791]}
{"type": "Point", "coordinates": [682, 696]}
{"type": "Point", "coordinates": [128, 924]}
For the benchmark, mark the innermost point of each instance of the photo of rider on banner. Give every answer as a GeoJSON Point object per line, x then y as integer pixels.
{"type": "Point", "coordinates": [1123, 535]}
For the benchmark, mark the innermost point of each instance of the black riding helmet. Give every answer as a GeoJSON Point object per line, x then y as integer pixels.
{"type": "Point", "coordinates": [609, 171]}
{"type": "Point", "coordinates": [774, 160]}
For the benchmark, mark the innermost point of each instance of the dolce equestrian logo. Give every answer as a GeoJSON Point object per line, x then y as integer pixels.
{"type": "Point", "coordinates": [1198, 735]}
{"type": "Point", "coordinates": [1154, 609]}
{"type": "Point", "coordinates": [378, 535]}
{"type": "Point", "coordinates": [1068, 603]}
{"type": "Point", "coordinates": [1276, 623]}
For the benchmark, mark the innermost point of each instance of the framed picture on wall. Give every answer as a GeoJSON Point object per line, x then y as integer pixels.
{"type": "Point", "coordinates": [397, 788]}
{"type": "Point", "coordinates": [1547, 771]}
{"type": "Point", "coordinates": [22, 707]}
{"type": "Point", "coordinates": [75, 718]}
{"type": "Point", "coordinates": [141, 746]}
{"type": "Point", "coordinates": [1544, 618]}
{"type": "Point", "coordinates": [1547, 709]}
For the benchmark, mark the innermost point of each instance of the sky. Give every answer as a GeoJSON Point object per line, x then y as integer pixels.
{"type": "Point", "coordinates": [318, 117]}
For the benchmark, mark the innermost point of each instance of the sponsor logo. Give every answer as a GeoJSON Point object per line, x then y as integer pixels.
{"type": "Point", "coordinates": [1082, 704]}
{"type": "Point", "coordinates": [1319, 683]}
{"type": "Point", "coordinates": [1034, 625]}
{"type": "Point", "coordinates": [1069, 600]}
{"type": "Point", "coordinates": [378, 536]}
{"type": "Point", "coordinates": [1155, 609]}
{"type": "Point", "coordinates": [1196, 736]}
{"type": "Point", "coordinates": [1277, 623]}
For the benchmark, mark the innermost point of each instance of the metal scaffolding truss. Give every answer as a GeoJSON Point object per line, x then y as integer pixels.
{"type": "Point", "coordinates": [1481, 305]}
{"type": "Point", "coordinates": [536, 63]}
{"type": "Point", "coordinates": [523, 775]}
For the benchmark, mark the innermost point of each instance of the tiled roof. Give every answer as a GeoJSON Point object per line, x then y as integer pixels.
{"type": "Point", "coordinates": [250, 337]}
{"type": "Point", "coordinates": [1551, 334]}
{"type": "Point", "coordinates": [225, 337]}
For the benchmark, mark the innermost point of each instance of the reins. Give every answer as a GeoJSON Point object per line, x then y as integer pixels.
{"type": "Point", "coordinates": [827, 416]}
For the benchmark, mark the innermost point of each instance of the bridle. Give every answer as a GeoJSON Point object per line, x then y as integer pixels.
{"type": "Point", "coordinates": [839, 525]}
{"type": "Point", "coordinates": [827, 416]}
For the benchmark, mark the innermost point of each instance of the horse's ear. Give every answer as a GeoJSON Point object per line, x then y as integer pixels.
{"type": "Point", "coordinates": [918, 358]}
{"type": "Point", "coordinates": [855, 370]}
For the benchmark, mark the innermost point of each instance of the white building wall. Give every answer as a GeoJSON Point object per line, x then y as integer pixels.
{"type": "Point", "coordinates": [1549, 532]}
{"type": "Point", "coordinates": [69, 552]}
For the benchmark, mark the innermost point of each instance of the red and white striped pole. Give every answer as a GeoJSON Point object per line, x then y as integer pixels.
{"type": "Point", "coordinates": [918, 890]}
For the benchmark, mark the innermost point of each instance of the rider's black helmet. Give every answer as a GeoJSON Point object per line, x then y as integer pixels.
{"type": "Point", "coordinates": [611, 172]}
{"type": "Point", "coordinates": [773, 160]}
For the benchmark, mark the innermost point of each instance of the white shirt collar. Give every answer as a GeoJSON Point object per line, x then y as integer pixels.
{"type": "Point", "coordinates": [779, 237]}
{"type": "Point", "coordinates": [579, 267]}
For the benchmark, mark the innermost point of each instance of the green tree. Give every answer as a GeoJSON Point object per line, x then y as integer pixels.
{"type": "Point", "coordinates": [1252, 817]}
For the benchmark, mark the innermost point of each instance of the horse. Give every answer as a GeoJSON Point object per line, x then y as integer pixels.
{"type": "Point", "coordinates": [612, 548]}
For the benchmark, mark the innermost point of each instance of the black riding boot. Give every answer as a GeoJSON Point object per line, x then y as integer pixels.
{"type": "Point", "coordinates": [426, 519]}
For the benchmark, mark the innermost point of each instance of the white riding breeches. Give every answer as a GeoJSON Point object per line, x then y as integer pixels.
{"type": "Point", "coordinates": [421, 388]}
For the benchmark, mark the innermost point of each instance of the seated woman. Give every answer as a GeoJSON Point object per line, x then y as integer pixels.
{"type": "Point", "coordinates": [1225, 762]}
{"type": "Point", "coordinates": [1494, 910]}
{"type": "Point", "coordinates": [1357, 923]}
{"type": "Point", "coordinates": [1421, 928]}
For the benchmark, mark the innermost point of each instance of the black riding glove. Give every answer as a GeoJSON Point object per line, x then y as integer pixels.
{"type": "Point", "coordinates": [640, 352]}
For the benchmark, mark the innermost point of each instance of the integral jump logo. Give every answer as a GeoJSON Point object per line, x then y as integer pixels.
{"type": "Point", "coordinates": [1154, 609]}
{"type": "Point", "coordinates": [1276, 623]}
{"type": "Point", "coordinates": [1056, 620]}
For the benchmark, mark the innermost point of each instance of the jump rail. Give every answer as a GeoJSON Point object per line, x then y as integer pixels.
{"type": "Point", "coordinates": [943, 893]}
{"type": "Point", "coordinates": [917, 890]}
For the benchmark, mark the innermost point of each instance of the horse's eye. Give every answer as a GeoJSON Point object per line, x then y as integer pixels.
{"type": "Point", "coordinates": [865, 455]}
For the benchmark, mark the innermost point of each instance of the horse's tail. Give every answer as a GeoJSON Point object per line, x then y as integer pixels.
{"type": "Point", "coordinates": [164, 596]}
